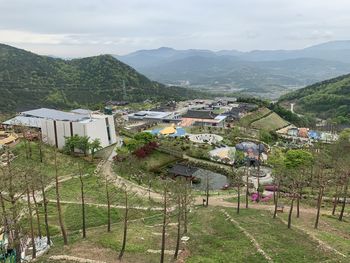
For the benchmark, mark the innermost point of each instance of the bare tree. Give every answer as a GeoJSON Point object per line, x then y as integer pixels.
{"type": "Point", "coordinates": [82, 198]}
{"type": "Point", "coordinates": [45, 202]}
{"type": "Point", "coordinates": [58, 201]}
{"type": "Point", "coordinates": [125, 231]}
{"type": "Point", "coordinates": [108, 199]}
{"type": "Point", "coordinates": [30, 218]}
{"type": "Point", "coordinates": [37, 213]}
{"type": "Point", "coordinates": [164, 224]}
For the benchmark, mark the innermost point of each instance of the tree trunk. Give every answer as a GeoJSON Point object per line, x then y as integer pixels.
{"type": "Point", "coordinates": [319, 202]}
{"type": "Point", "coordinates": [108, 208]}
{"type": "Point", "coordinates": [125, 226]}
{"type": "Point", "coordinates": [336, 200]}
{"type": "Point", "coordinates": [37, 214]}
{"type": "Point", "coordinates": [40, 150]}
{"type": "Point", "coordinates": [207, 192]}
{"type": "Point", "coordinates": [238, 197]}
{"type": "Point", "coordinates": [30, 219]}
{"type": "Point", "coordinates": [276, 200]}
{"type": "Point", "coordinates": [290, 212]}
{"type": "Point", "coordinates": [185, 211]}
{"type": "Point", "coordinates": [4, 213]}
{"type": "Point", "coordinates": [344, 199]}
{"type": "Point", "coordinates": [59, 210]}
{"type": "Point", "coordinates": [82, 205]}
{"type": "Point", "coordinates": [178, 228]}
{"type": "Point", "coordinates": [247, 189]}
{"type": "Point", "coordinates": [45, 213]}
{"type": "Point", "coordinates": [14, 242]}
{"type": "Point", "coordinates": [164, 226]}
{"type": "Point", "coordinates": [298, 203]}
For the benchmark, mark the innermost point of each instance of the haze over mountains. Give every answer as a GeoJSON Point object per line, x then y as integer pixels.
{"type": "Point", "coordinates": [268, 73]}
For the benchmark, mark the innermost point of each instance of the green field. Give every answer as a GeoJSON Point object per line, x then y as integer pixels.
{"type": "Point", "coordinates": [94, 191]}
{"type": "Point", "coordinates": [271, 122]}
{"type": "Point", "coordinates": [213, 239]}
{"type": "Point", "coordinates": [254, 116]}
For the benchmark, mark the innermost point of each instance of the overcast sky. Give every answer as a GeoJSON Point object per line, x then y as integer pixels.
{"type": "Point", "coordinates": [76, 28]}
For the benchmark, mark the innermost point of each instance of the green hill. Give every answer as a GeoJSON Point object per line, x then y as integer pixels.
{"type": "Point", "coordinates": [28, 80]}
{"type": "Point", "coordinates": [328, 99]}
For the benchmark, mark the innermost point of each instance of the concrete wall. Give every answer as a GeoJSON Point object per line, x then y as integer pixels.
{"type": "Point", "coordinates": [95, 129]}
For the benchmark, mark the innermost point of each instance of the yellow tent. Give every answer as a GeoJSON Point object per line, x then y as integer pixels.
{"type": "Point", "coordinates": [168, 130]}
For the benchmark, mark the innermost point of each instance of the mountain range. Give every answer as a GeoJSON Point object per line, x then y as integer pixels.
{"type": "Point", "coordinates": [329, 99]}
{"type": "Point", "coordinates": [29, 80]}
{"type": "Point", "coordinates": [268, 73]}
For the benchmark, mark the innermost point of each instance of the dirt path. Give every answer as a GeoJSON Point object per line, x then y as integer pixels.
{"type": "Point", "coordinates": [249, 236]}
{"type": "Point", "coordinates": [112, 206]}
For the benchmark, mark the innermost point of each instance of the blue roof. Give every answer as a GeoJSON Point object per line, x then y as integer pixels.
{"type": "Point", "coordinates": [54, 115]}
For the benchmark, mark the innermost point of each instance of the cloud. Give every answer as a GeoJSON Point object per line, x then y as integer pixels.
{"type": "Point", "coordinates": [89, 27]}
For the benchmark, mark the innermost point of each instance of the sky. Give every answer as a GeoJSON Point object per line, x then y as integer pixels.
{"type": "Point", "coordinates": [78, 28]}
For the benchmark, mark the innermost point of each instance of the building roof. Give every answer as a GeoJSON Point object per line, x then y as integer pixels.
{"type": "Point", "coordinates": [54, 115]}
{"type": "Point", "coordinates": [183, 170]}
{"type": "Point", "coordinates": [81, 111]}
{"type": "Point", "coordinates": [25, 121]}
{"type": "Point", "coordinates": [150, 114]}
{"type": "Point", "coordinates": [200, 114]}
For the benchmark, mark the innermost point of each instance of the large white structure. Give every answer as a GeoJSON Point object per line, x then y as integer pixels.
{"type": "Point", "coordinates": [57, 125]}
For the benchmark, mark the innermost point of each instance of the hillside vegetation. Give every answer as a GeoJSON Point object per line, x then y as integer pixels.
{"type": "Point", "coordinates": [28, 80]}
{"type": "Point", "coordinates": [328, 99]}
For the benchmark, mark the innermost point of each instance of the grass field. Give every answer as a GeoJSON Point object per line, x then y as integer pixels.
{"type": "Point", "coordinates": [213, 239]}
{"type": "Point", "coordinates": [270, 123]}
{"type": "Point", "coordinates": [94, 192]}
{"type": "Point", "coordinates": [254, 116]}
{"type": "Point", "coordinates": [67, 165]}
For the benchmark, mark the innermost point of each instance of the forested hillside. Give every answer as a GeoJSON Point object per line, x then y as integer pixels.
{"type": "Point", "coordinates": [326, 99]}
{"type": "Point", "coordinates": [28, 80]}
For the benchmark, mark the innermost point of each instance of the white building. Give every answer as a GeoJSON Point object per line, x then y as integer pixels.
{"type": "Point", "coordinates": [56, 125]}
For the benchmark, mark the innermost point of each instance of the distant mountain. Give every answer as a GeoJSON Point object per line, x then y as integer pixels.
{"type": "Point", "coordinates": [28, 80]}
{"type": "Point", "coordinates": [269, 73]}
{"type": "Point", "coordinates": [326, 99]}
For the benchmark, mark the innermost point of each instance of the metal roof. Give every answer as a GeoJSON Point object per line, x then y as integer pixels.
{"type": "Point", "coordinates": [81, 111]}
{"type": "Point", "coordinates": [25, 121]}
{"type": "Point", "coordinates": [54, 115]}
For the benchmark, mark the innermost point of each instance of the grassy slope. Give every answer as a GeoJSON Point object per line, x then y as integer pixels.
{"type": "Point", "coordinates": [270, 123]}
{"type": "Point", "coordinates": [212, 239]}
{"type": "Point", "coordinates": [94, 192]}
{"type": "Point", "coordinates": [67, 165]}
{"type": "Point", "coordinates": [253, 116]}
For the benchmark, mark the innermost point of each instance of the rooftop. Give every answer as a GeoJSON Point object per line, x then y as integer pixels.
{"type": "Point", "coordinates": [200, 114]}
{"type": "Point", "coordinates": [150, 114]}
{"type": "Point", "coordinates": [54, 115]}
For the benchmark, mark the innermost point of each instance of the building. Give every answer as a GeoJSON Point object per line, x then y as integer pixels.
{"type": "Point", "coordinates": [56, 125]}
{"type": "Point", "coordinates": [202, 118]}
{"type": "Point", "coordinates": [153, 116]}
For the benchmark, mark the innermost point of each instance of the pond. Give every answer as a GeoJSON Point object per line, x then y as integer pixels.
{"type": "Point", "coordinates": [216, 181]}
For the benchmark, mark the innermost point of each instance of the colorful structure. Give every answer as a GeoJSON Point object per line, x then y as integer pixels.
{"type": "Point", "coordinates": [7, 138]}
{"type": "Point", "coordinates": [6, 255]}
{"type": "Point", "coordinates": [171, 131]}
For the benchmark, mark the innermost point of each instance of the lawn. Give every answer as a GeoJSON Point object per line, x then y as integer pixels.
{"type": "Point", "coordinates": [104, 246]}
{"type": "Point", "coordinates": [331, 231]}
{"type": "Point", "coordinates": [94, 189]}
{"type": "Point", "coordinates": [67, 165]}
{"type": "Point", "coordinates": [281, 244]}
{"type": "Point", "coordinates": [254, 116]}
{"type": "Point", "coordinates": [270, 123]}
